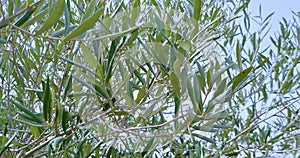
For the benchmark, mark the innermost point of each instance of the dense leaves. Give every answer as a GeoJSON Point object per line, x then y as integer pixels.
{"type": "Point", "coordinates": [144, 78]}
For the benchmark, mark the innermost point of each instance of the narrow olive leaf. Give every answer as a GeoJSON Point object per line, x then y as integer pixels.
{"type": "Point", "coordinates": [203, 137]}
{"type": "Point", "coordinates": [85, 25]}
{"type": "Point", "coordinates": [267, 134]}
{"type": "Point", "coordinates": [89, 10]}
{"type": "Point", "coordinates": [67, 86]}
{"type": "Point", "coordinates": [204, 128]}
{"type": "Point", "coordinates": [192, 97]}
{"type": "Point", "coordinates": [29, 123]}
{"type": "Point", "coordinates": [138, 75]}
{"type": "Point", "coordinates": [201, 71]}
{"type": "Point", "coordinates": [55, 13]}
{"type": "Point", "coordinates": [117, 10]}
{"type": "Point", "coordinates": [232, 154]}
{"type": "Point", "coordinates": [67, 17]}
{"type": "Point", "coordinates": [177, 104]}
{"type": "Point", "coordinates": [101, 91]}
{"type": "Point", "coordinates": [111, 56]}
{"type": "Point", "coordinates": [132, 38]}
{"type": "Point", "coordinates": [222, 126]}
{"type": "Point", "coordinates": [58, 140]}
{"type": "Point", "coordinates": [2, 41]}
{"type": "Point", "coordinates": [238, 55]}
{"type": "Point", "coordinates": [94, 149]}
{"type": "Point", "coordinates": [197, 9]}
{"type": "Point", "coordinates": [88, 55]}
{"type": "Point", "coordinates": [28, 117]}
{"type": "Point", "coordinates": [35, 131]}
{"type": "Point", "coordinates": [286, 86]}
{"type": "Point", "coordinates": [64, 120]}
{"type": "Point", "coordinates": [26, 16]}
{"type": "Point", "coordinates": [209, 79]}
{"type": "Point", "coordinates": [217, 75]}
{"type": "Point", "coordinates": [37, 17]}
{"type": "Point", "coordinates": [62, 31]}
{"type": "Point", "coordinates": [218, 115]}
{"type": "Point", "coordinates": [77, 64]}
{"type": "Point", "coordinates": [25, 110]}
{"type": "Point", "coordinates": [240, 77]}
{"type": "Point", "coordinates": [7, 144]}
{"type": "Point", "coordinates": [268, 17]}
{"type": "Point", "coordinates": [148, 111]}
{"type": "Point", "coordinates": [149, 145]}
{"type": "Point", "coordinates": [141, 94]}
{"type": "Point", "coordinates": [10, 8]}
{"type": "Point", "coordinates": [220, 88]}
{"type": "Point", "coordinates": [215, 13]}
{"type": "Point", "coordinates": [241, 7]}
{"type": "Point", "coordinates": [175, 83]}
{"type": "Point", "coordinates": [47, 99]}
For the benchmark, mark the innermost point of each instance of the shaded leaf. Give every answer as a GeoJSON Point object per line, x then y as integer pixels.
{"type": "Point", "coordinates": [47, 101]}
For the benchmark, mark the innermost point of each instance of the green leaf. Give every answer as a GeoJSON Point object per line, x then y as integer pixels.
{"type": "Point", "coordinates": [149, 145]}
{"type": "Point", "coordinates": [58, 141]}
{"type": "Point", "coordinates": [177, 104]}
{"type": "Point", "coordinates": [35, 131]}
{"type": "Point", "coordinates": [149, 111]}
{"type": "Point", "coordinates": [77, 64]}
{"type": "Point", "coordinates": [29, 123]}
{"type": "Point", "coordinates": [238, 54]}
{"type": "Point", "coordinates": [89, 10]}
{"type": "Point", "coordinates": [217, 75]}
{"type": "Point", "coordinates": [63, 31]}
{"type": "Point", "coordinates": [25, 17]}
{"type": "Point", "coordinates": [2, 41]}
{"type": "Point", "coordinates": [64, 120]}
{"type": "Point", "coordinates": [37, 17]}
{"type": "Point", "coordinates": [240, 77]}
{"type": "Point", "coordinates": [175, 83]}
{"type": "Point", "coordinates": [203, 137]}
{"type": "Point", "coordinates": [101, 91]}
{"type": "Point", "coordinates": [25, 110]}
{"type": "Point", "coordinates": [218, 115]}
{"type": "Point", "coordinates": [55, 13]}
{"type": "Point", "coordinates": [192, 97]}
{"type": "Point", "coordinates": [67, 86]}
{"type": "Point", "coordinates": [85, 25]}
{"type": "Point", "coordinates": [6, 145]}
{"type": "Point", "coordinates": [94, 149]}
{"type": "Point", "coordinates": [141, 94]}
{"type": "Point", "coordinates": [220, 88]}
{"type": "Point", "coordinates": [222, 126]}
{"type": "Point", "coordinates": [197, 9]}
{"type": "Point", "coordinates": [47, 101]}
{"type": "Point", "coordinates": [232, 154]}
{"type": "Point", "coordinates": [28, 117]}
{"type": "Point", "coordinates": [89, 56]}
{"type": "Point", "coordinates": [205, 128]}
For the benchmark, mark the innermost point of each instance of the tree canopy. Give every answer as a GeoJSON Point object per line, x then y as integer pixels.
{"type": "Point", "coordinates": [97, 78]}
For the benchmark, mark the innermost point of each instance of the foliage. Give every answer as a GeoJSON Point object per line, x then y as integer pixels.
{"type": "Point", "coordinates": [143, 78]}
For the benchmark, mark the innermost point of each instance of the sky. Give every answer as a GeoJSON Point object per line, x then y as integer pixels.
{"type": "Point", "coordinates": [282, 8]}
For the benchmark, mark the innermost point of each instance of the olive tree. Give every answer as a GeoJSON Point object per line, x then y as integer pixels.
{"type": "Point", "coordinates": [145, 78]}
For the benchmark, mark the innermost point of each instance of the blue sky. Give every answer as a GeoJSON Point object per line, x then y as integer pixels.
{"type": "Point", "coordinates": [282, 8]}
